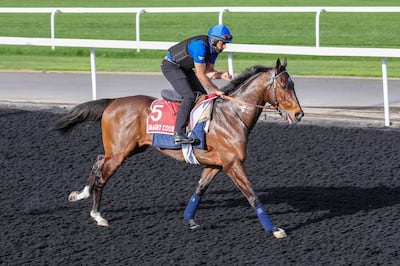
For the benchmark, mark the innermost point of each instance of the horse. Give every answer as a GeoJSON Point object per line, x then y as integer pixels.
{"type": "Point", "coordinates": [123, 126]}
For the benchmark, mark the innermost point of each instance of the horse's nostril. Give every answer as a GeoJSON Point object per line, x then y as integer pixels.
{"type": "Point", "coordinates": [299, 115]}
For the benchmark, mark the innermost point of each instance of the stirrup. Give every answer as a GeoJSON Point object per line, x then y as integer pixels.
{"type": "Point", "coordinates": [184, 139]}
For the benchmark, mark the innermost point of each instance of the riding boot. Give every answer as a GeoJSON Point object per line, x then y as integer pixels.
{"type": "Point", "coordinates": [180, 136]}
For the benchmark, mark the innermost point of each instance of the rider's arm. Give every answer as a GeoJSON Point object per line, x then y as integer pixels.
{"type": "Point", "coordinates": [205, 70]}
{"type": "Point", "coordinates": [215, 74]}
{"type": "Point", "coordinates": [201, 70]}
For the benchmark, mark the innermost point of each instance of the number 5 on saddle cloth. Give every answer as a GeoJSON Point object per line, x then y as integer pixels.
{"type": "Point", "coordinates": [161, 120]}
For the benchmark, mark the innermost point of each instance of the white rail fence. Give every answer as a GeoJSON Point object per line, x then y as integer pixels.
{"type": "Point", "coordinates": [231, 48]}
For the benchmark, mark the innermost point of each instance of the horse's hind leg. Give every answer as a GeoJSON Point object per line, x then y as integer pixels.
{"type": "Point", "coordinates": [207, 177]}
{"type": "Point", "coordinates": [109, 167]}
{"type": "Point", "coordinates": [94, 174]}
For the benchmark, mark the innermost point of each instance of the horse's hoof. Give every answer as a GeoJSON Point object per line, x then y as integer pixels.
{"type": "Point", "coordinates": [279, 232]}
{"type": "Point", "coordinates": [100, 220]}
{"type": "Point", "coordinates": [103, 223]}
{"type": "Point", "coordinates": [73, 196]}
{"type": "Point", "coordinates": [193, 225]}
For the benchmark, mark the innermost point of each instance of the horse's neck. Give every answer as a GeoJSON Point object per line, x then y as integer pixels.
{"type": "Point", "coordinates": [251, 100]}
{"type": "Point", "coordinates": [252, 91]}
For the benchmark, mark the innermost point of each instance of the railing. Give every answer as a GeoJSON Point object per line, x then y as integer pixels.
{"type": "Point", "coordinates": [245, 48]}
{"type": "Point", "coordinates": [220, 10]}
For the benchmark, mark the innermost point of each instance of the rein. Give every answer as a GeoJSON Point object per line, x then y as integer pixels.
{"type": "Point", "coordinates": [272, 109]}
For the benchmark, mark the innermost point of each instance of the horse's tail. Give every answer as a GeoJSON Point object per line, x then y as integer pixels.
{"type": "Point", "coordinates": [88, 111]}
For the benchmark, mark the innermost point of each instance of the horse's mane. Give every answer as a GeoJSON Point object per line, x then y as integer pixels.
{"type": "Point", "coordinates": [245, 75]}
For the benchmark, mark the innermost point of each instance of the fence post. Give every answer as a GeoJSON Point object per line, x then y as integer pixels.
{"type": "Point", "coordinates": [221, 13]}
{"type": "Point", "coordinates": [230, 54]}
{"type": "Point", "coordinates": [317, 26]}
{"type": "Point", "coordinates": [385, 92]}
{"type": "Point", "coordinates": [53, 26]}
{"type": "Point", "coordinates": [138, 26]}
{"type": "Point", "coordinates": [93, 72]}
{"type": "Point", "coordinates": [230, 64]}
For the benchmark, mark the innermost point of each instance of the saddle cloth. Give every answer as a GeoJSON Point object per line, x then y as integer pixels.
{"type": "Point", "coordinates": [161, 122]}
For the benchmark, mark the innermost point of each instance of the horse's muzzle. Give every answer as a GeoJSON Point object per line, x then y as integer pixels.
{"type": "Point", "coordinates": [298, 116]}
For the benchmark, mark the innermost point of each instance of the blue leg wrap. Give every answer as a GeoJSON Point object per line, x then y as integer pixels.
{"type": "Point", "coordinates": [192, 207]}
{"type": "Point", "coordinates": [264, 218]}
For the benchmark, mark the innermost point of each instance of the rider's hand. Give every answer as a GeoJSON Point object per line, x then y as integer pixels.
{"type": "Point", "coordinates": [226, 76]}
{"type": "Point", "coordinates": [219, 93]}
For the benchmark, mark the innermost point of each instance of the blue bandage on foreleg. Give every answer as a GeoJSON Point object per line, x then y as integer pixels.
{"type": "Point", "coordinates": [192, 207]}
{"type": "Point", "coordinates": [264, 218]}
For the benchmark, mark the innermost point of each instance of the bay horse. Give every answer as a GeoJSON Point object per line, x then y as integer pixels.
{"type": "Point", "coordinates": [123, 125]}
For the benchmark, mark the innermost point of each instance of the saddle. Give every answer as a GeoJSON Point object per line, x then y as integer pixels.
{"type": "Point", "coordinates": [161, 120]}
{"type": "Point", "coordinates": [173, 96]}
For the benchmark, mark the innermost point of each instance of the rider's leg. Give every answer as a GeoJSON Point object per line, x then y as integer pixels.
{"type": "Point", "coordinates": [183, 115]}
{"type": "Point", "coordinates": [187, 104]}
{"type": "Point", "coordinates": [180, 81]}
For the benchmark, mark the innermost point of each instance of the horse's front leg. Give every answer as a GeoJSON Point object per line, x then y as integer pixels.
{"type": "Point", "coordinates": [239, 177]}
{"type": "Point", "coordinates": [94, 175]}
{"type": "Point", "coordinates": [207, 176]}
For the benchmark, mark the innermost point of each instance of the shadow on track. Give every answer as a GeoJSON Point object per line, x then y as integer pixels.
{"type": "Point", "coordinates": [338, 201]}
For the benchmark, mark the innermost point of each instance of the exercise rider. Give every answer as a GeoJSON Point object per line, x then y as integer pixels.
{"type": "Point", "coordinates": [199, 53]}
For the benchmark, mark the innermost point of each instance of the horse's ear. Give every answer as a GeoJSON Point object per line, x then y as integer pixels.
{"type": "Point", "coordinates": [278, 64]}
{"type": "Point", "coordinates": [284, 63]}
{"type": "Point", "coordinates": [279, 67]}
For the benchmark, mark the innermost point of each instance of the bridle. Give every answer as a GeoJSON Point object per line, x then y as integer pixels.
{"type": "Point", "coordinates": [274, 82]}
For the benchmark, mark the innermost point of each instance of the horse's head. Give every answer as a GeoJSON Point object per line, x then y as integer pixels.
{"type": "Point", "coordinates": [281, 93]}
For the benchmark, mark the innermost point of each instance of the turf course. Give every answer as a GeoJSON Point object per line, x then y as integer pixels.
{"type": "Point", "coordinates": [336, 29]}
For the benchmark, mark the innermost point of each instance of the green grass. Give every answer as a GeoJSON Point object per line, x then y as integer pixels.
{"type": "Point", "coordinates": [336, 29]}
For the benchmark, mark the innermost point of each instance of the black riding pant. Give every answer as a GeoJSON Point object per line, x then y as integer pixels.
{"type": "Point", "coordinates": [186, 84]}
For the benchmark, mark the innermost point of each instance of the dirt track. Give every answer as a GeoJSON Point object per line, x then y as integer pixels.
{"type": "Point", "coordinates": [335, 189]}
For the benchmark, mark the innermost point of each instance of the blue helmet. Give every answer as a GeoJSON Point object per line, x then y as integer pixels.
{"type": "Point", "coordinates": [220, 32]}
